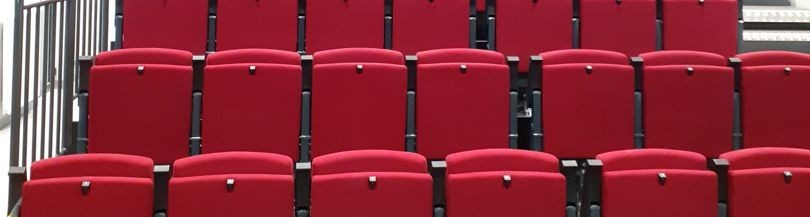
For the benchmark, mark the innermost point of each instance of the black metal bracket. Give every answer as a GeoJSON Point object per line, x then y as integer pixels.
{"type": "Point", "coordinates": [575, 26]}
{"type": "Point", "coordinates": [389, 24]}
{"type": "Point", "coordinates": [212, 33]}
{"type": "Point", "coordinates": [490, 15]}
{"type": "Point", "coordinates": [196, 119]}
{"type": "Point", "coordinates": [473, 24]}
{"type": "Point", "coordinates": [513, 120]}
{"type": "Point", "coordinates": [537, 121]}
{"type": "Point", "coordinates": [591, 193]}
{"type": "Point", "coordinates": [659, 33]}
{"type": "Point", "coordinates": [638, 119]}
{"type": "Point", "coordinates": [303, 181]}
{"type": "Point", "coordinates": [410, 123]}
{"type": "Point", "coordinates": [438, 170]}
{"type": "Point", "coordinates": [81, 137]}
{"type": "Point", "coordinates": [737, 134]}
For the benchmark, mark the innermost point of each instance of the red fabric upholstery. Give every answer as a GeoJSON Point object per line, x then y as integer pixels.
{"type": "Point", "coordinates": [117, 165]}
{"type": "Point", "coordinates": [144, 55]}
{"type": "Point", "coordinates": [460, 55]}
{"type": "Point", "coordinates": [244, 112]}
{"type": "Point", "coordinates": [587, 114]}
{"type": "Point", "coordinates": [263, 185]}
{"type": "Point", "coordinates": [176, 24]}
{"type": "Point", "coordinates": [709, 27]}
{"type": "Point", "coordinates": [355, 111]}
{"type": "Point", "coordinates": [344, 23]}
{"type": "Point", "coordinates": [233, 163]}
{"type": "Point", "coordinates": [359, 55]}
{"type": "Point", "coordinates": [402, 189]}
{"type": "Point", "coordinates": [147, 115]}
{"type": "Point", "coordinates": [269, 24]}
{"type": "Point", "coordinates": [771, 113]}
{"type": "Point", "coordinates": [768, 157]}
{"type": "Point", "coordinates": [501, 160]}
{"type": "Point", "coordinates": [461, 111]}
{"type": "Point", "coordinates": [768, 58]}
{"type": "Point", "coordinates": [683, 57]}
{"type": "Point", "coordinates": [369, 161]}
{"type": "Point", "coordinates": [120, 185]}
{"type": "Point", "coordinates": [627, 27]}
{"type": "Point", "coordinates": [583, 56]}
{"type": "Point", "coordinates": [528, 27]}
{"type": "Point", "coordinates": [638, 193]}
{"type": "Point", "coordinates": [631, 186]}
{"type": "Point", "coordinates": [425, 25]}
{"type": "Point", "coordinates": [757, 184]}
{"type": "Point", "coordinates": [688, 112]}
{"type": "Point", "coordinates": [253, 56]}
{"type": "Point", "coordinates": [649, 159]}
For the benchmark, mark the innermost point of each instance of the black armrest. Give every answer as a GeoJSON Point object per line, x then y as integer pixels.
{"type": "Point", "coordinates": [85, 63]}
{"type": "Point", "coordinates": [303, 181]}
{"type": "Point", "coordinates": [198, 64]}
{"type": "Point", "coordinates": [411, 62]}
{"type": "Point", "coordinates": [410, 123]}
{"type": "Point", "coordinates": [570, 169]}
{"type": "Point", "coordinates": [591, 188]}
{"type": "Point", "coordinates": [162, 175]}
{"type": "Point", "coordinates": [196, 115]}
{"type": "Point", "coordinates": [535, 73]}
{"type": "Point", "coordinates": [438, 171]}
{"type": "Point", "coordinates": [306, 67]}
{"type": "Point", "coordinates": [81, 132]}
{"type": "Point", "coordinates": [720, 166]}
{"type": "Point", "coordinates": [16, 177]}
{"type": "Point", "coordinates": [513, 62]}
{"type": "Point", "coordinates": [305, 138]}
{"type": "Point", "coordinates": [638, 67]}
{"type": "Point", "coordinates": [736, 64]}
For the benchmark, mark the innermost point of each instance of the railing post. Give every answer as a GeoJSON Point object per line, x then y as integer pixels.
{"type": "Point", "coordinates": [15, 188]}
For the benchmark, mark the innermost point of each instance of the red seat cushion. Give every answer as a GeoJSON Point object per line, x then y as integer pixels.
{"type": "Point", "coordinates": [529, 27]}
{"type": "Point", "coordinates": [631, 185]}
{"type": "Point", "coordinates": [176, 24]}
{"type": "Point", "coordinates": [146, 115]}
{"type": "Point", "coordinates": [263, 185]}
{"type": "Point", "coordinates": [244, 112]}
{"type": "Point", "coordinates": [120, 185]}
{"type": "Point", "coordinates": [710, 27]}
{"type": "Point", "coordinates": [757, 184]}
{"type": "Point", "coordinates": [771, 115]}
{"type": "Point", "coordinates": [344, 23]}
{"type": "Point", "coordinates": [425, 25]}
{"type": "Point", "coordinates": [627, 27]}
{"type": "Point", "coordinates": [586, 114]}
{"type": "Point", "coordinates": [461, 111]}
{"type": "Point", "coordinates": [688, 112]}
{"type": "Point", "coordinates": [269, 24]}
{"type": "Point", "coordinates": [341, 180]}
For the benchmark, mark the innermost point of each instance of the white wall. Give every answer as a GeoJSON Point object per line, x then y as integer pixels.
{"type": "Point", "coordinates": [6, 17]}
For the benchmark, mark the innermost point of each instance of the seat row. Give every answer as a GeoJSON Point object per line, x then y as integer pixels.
{"type": "Point", "coordinates": [514, 27]}
{"type": "Point", "coordinates": [491, 182]}
{"type": "Point", "coordinates": [583, 102]}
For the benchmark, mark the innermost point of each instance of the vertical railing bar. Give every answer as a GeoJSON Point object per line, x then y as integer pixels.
{"type": "Point", "coordinates": [52, 78]}
{"type": "Point", "coordinates": [88, 4]}
{"type": "Point", "coordinates": [46, 24]}
{"type": "Point", "coordinates": [67, 91]}
{"type": "Point", "coordinates": [59, 76]}
{"type": "Point", "coordinates": [94, 23]}
{"type": "Point", "coordinates": [25, 88]}
{"type": "Point", "coordinates": [16, 77]}
{"type": "Point", "coordinates": [35, 96]}
{"type": "Point", "coordinates": [105, 21]}
{"type": "Point", "coordinates": [49, 82]}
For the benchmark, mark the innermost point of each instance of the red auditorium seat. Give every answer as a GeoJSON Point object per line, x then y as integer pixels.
{"type": "Point", "coordinates": [421, 25]}
{"type": "Point", "coordinates": [335, 24]}
{"type": "Point", "coordinates": [587, 103]}
{"type": "Point", "coordinates": [140, 103]}
{"type": "Point", "coordinates": [176, 24]}
{"type": "Point", "coordinates": [89, 185]}
{"type": "Point", "coordinates": [232, 184]}
{"type": "Point", "coordinates": [768, 182]}
{"type": "Point", "coordinates": [462, 101]}
{"type": "Point", "coordinates": [624, 26]}
{"type": "Point", "coordinates": [657, 182]}
{"type": "Point", "coordinates": [371, 183]}
{"type": "Point", "coordinates": [529, 27]}
{"type": "Point", "coordinates": [269, 24]}
{"type": "Point", "coordinates": [252, 102]}
{"type": "Point", "coordinates": [358, 100]}
{"type": "Point", "coordinates": [774, 105]}
{"type": "Point", "coordinates": [709, 26]}
{"type": "Point", "coordinates": [504, 182]}
{"type": "Point", "coordinates": [688, 101]}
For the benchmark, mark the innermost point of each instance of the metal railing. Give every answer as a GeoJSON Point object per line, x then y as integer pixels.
{"type": "Point", "coordinates": [48, 36]}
